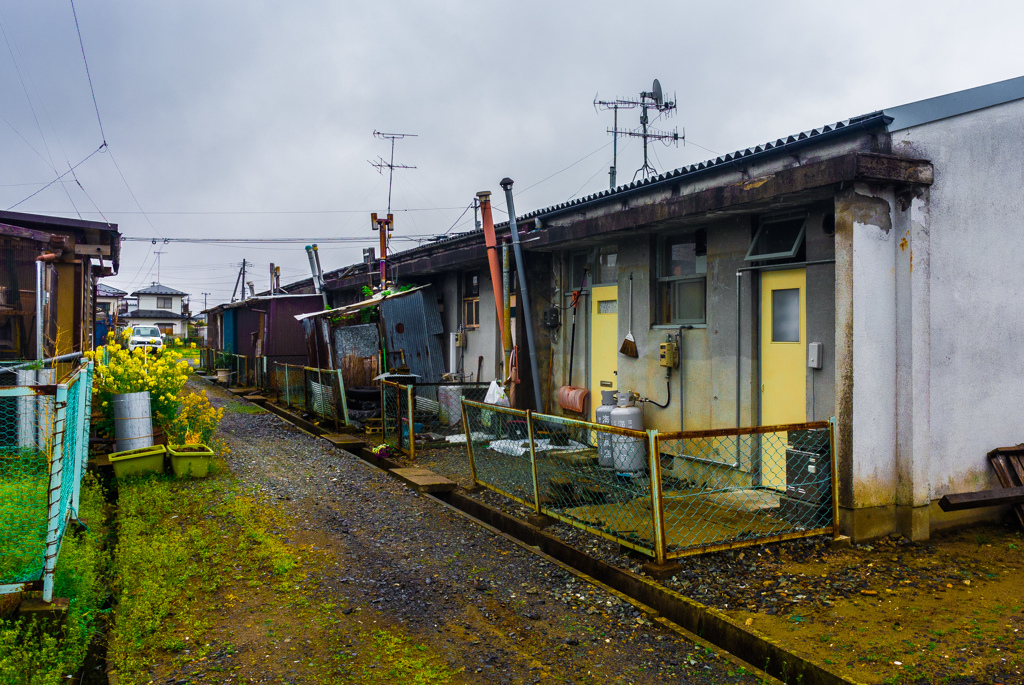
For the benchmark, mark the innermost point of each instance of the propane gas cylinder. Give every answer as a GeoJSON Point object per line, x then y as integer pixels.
{"type": "Point", "coordinates": [629, 455]}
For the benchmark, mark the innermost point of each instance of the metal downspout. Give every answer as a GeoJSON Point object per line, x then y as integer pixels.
{"type": "Point", "coordinates": [492, 257]}
{"type": "Point", "coordinates": [506, 185]}
{"type": "Point", "coordinates": [506, 284]}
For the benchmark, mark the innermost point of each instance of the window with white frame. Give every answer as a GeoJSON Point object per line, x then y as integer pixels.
{"type": "Point", "coordinates": [471, 300]}
{"type": "Point", "coordinates": [163, 303]}
{"type": "Point", "coordinates": [682, 267]}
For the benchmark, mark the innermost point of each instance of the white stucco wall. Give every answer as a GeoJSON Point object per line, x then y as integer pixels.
{"type": "Point", "coordinates": [976, 299]}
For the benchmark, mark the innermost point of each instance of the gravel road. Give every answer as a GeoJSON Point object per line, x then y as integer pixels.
{"type": "Point", "coordinates": [484, 604]}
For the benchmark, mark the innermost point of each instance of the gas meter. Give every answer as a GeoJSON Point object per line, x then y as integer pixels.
{"type": "Point", "coordinates": [669, 354]}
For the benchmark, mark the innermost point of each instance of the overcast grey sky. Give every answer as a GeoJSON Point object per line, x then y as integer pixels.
{"type": "Point", "coordinates": [255, 119]}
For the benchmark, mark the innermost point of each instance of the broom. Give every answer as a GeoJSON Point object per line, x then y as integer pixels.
{"type": "Point", "coordinates": [629, 344]}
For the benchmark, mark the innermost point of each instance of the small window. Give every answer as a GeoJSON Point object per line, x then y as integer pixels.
{"type": "Point", "coordinates": [607, 260]}
{"type": "Point", "coordinates": [163, 303]}
{"type": "Point", "coordinates": [682, 265]}
{"type": "Point", "coordinates": [777, 239]}
{"type": "Point", "coordinates": [577, 266]}
{"type": "Point", "coordinates": [471, 287]}
{"type": "Point", "coordinates": [471, 312]}
{"type": "Point", "coordinates": [786, 315]}
{"type": "Point", "coordinates": [608, 307]}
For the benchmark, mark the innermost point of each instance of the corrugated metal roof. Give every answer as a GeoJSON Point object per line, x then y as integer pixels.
{"type": "Point", "coordinates": [953, 104]}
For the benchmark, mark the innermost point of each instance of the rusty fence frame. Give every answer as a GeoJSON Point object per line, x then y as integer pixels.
{"type": "Point", "coordinates": [337, 401]}
{"type": "Point", "coordinates": [67, 454]}
{"type": "Point", "coordinates": [659, 550]}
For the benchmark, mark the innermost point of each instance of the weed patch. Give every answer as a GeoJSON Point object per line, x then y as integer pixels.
{"type": "Point", "coordinates": [42, 652]}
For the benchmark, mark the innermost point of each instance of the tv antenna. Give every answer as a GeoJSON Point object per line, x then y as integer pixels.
{"type": "Point", "coordinates": [158, 253]}
{"type": "Point", "coordinates": [380, 164]}
{"type": "Point", "coordinates": [653, 99]}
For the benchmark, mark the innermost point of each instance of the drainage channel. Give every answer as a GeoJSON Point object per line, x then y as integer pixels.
{"type": "Point", "coordinates": [701, 624]}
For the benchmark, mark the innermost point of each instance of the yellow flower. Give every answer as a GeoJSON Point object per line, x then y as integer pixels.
{"type": "Point", "coordinates": [193, 345]}
{"type": "Point", "coordinates": [106, 403]}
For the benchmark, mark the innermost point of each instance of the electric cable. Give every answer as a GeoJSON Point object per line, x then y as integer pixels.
{"type": "Point", "coordinates": [59, 177]}
{"type": "Point", "coordinates": [88, 76]}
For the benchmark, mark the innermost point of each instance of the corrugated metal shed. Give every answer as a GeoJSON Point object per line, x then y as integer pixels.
{"type": "Point", "coordinates": [412, 326]}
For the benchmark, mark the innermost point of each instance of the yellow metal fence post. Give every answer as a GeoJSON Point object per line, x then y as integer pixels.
{"type": "Point", "coordinates": [835, 474]}
{"type": "Point", "coordinates": [469, 440]}
{"type": "Point", "coordinates": [412, 419]}
{"type": "Point", "coordinates": [533, 461]}
{"type": "Point", "coordinates": [657, 511]}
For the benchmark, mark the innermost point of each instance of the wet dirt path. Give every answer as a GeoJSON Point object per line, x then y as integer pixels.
{"type": "Point", "coordinates": [489, 610]}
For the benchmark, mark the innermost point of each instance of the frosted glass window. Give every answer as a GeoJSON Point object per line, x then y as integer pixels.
{"type": "Point", "coordinates": [786, 315]}
{"type": "Point", "coordinates": [608, 307]}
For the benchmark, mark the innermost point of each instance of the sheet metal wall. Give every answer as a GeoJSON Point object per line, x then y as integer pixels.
{"type": "Point", "coordinates": [412, 324]}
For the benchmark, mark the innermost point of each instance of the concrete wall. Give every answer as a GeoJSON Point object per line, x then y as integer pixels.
{"type": "Point", "coordinates": [149, 302]}
{"type": "Point", "coordinates": [482, 341]}
{"type": "Point", "coordinates": [966, 236]}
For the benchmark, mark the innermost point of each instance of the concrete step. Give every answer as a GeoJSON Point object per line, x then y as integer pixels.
{"type": "Point", "coordinates": [423, 480]}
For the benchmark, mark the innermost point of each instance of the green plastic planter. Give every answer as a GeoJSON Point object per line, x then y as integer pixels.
{"type": "Point", "coordinates": [190, 460]}
{"type": "Point", "coordinates": [138, 461]}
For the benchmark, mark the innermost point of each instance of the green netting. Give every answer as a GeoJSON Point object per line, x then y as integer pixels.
{"type": "Point", "coordinates": [43, 441]}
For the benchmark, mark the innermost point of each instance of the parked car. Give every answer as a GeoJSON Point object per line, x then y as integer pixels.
{"type": "Point", "coordinates": [146, 337]}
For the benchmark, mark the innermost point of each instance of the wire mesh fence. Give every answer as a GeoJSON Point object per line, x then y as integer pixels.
{"type": "Point", "coordinates": [394, 404]}
{"type": "Point", "coordinates": [320, 392]}
{"type": "Point", "coordinates": [723, 488]}
{"type": "Point", "coordinates": [44, 436]}
{"type": "Point", "coordinates": [666, 495]}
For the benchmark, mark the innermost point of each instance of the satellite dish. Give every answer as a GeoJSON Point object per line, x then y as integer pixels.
{"type": "Point", "coordinates": [656, 92]}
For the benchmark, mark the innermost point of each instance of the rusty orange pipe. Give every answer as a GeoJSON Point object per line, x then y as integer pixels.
{"type": "Point", "coordinates": [492, 258]}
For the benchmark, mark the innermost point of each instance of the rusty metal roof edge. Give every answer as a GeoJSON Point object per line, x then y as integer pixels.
{"type": "Point", "coordinates": [356, 306]}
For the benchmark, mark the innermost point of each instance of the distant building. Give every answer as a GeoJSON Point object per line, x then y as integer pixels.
{"type": "Point", "coordinates": [110, 310]}
{"type": "Point", "coordinates": [163, 307]}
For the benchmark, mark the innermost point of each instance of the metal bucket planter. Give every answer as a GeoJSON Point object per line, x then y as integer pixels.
{"type": "Point", "coordinates": [190, 460]}
{"type": "Point", "coordinates": [133, 420]}
{"type": "Point", "coordinates": [223, 375]}
{"type": "Point", "coordinates": [139, 461]}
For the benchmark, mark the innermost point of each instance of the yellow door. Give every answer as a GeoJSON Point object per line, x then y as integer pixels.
{"type": "Point", "coordinates": [783, 362]}
{"type": "Point", "coordinates": [604, 343]}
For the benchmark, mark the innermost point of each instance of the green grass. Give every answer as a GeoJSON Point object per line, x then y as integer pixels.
{"type": "Point", "coordinates": [42, 653]}
{"type": "Point", "coordinates": [192, 554]}
{"type": "Point", "coordinates": [243, 408]}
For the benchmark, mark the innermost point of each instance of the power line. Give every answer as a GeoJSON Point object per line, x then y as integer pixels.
{"type": "Point", "coordinates": [59, 177]}
{"type": "Point", "coordinates": [87, 74]}
{"type": "Point", "coordinates": [283, 211]}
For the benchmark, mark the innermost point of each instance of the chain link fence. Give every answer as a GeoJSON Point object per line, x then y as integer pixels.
{"type": "Point", "coordinates": [320, 392]}
{"type": "Point", "coordinates": [394, 404]}
{"type": "Point", "coordinates": [44, 438]}
{"type": "Point", "coordinates": [666, 495]}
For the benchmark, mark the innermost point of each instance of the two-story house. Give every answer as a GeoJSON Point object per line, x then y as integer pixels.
{"type": "Point", "coordinates": [162, 307]}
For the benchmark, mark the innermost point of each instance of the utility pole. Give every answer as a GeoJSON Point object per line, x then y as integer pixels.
{"type": "Point", "coordinates": [241, 275]}
{"type": "Point", "coordinates": [204, 300]}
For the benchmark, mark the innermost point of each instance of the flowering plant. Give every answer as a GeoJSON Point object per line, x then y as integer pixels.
{"type": "Point", "coordinates": [162, 374]}
{"type": "Point", "coordinates": [195, 422]}
{"type": "Point", "coordinates": [383, 451]}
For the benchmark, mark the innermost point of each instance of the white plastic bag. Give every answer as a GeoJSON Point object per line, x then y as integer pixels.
{"type": "Point", "coordinates": [496, 395]}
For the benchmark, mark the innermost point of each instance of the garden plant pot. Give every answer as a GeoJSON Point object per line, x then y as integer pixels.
{"type": "Point", "coordinates": [223, 375]}
{"type": "Point", "coordinates": [133, 420]}
{"type": "Point", "coordinates": [190, 460]}
{"type": "Point", "coordinates": [138, 461]}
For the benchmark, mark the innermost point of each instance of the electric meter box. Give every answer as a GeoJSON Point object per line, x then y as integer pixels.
{"type": "Point", "coordinates": [669, 354]}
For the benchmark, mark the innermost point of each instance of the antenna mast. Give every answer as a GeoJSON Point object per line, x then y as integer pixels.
{"type": "Point", "coordinates": [387, 225]}
{"type": "Point", "coordinates": [647, 100]}
{"type": "Point", "coordinates": [380, 164]}
{"type": "Point", "coordinates": [158, 253]}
